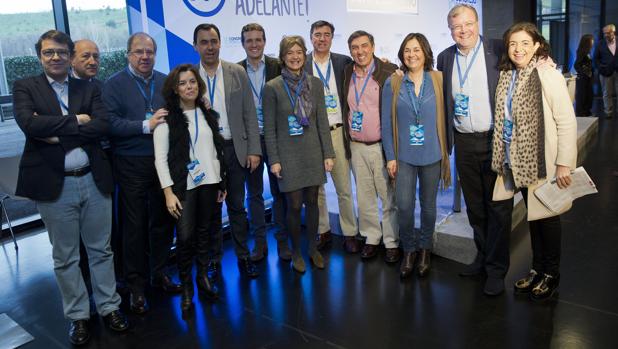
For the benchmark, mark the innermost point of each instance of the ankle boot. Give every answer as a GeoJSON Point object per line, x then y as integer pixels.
{"type": "Point", "coordinates": [407, 264]}
{"type": "Point", "coordinates": [424, 262]}
{"type": "Point", "coordinates": [317, 259]}
{"type": "Point", "coordinates": [298, 263]}
{"type": "Point", "coordinates": [186, 302]}
{"type": "Point", "coordinates": [205, 287]}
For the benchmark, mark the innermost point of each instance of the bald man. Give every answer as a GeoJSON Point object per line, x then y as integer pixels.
{"type": "Point", "coordinates": [85, 62]}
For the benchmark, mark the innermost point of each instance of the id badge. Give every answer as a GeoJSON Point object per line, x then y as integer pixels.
{"type": "Point", "coordinates": [149, 115]}
{"type": "Point", "coordinates": [260, 117]}
{"type": "Point", "coordinates": [331, 104]}
{"type": "Point", "coordinates": [357, 121]}
{"type": "Point", "coordinates": [462, 105]}
{"type": "Point", "coordinates": [417, 134]}
{"type": "Point", "coordinates": [195, 171]}
{"type": "Point", "coordinates": [507, 131]}
{"type": "Point", "coordinates": [294, 128]}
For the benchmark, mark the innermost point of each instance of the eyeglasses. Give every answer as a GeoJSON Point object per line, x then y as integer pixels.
{"type": "Point", "coordinates": [64, 54]}
{"type": "Point", "coordinates": [141, 53]}
{"type": "Point", "coordinates": [459, 27]}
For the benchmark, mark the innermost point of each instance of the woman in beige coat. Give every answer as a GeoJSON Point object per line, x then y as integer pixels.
{"type": "Point", "coordinates": [535, 140]}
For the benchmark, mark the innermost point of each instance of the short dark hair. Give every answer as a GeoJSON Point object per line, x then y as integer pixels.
{"type": "Point", "coordinates": [251, 27]}
{"type": "Point", "coordinates": [425, 47]}
{"type": "Point", "coordinates": [206, 27]}
{"type": "Point", "coordinates": [543, 51]}
{"type": "Point", "coordinates": [320, 24]}
{"type": "Point", "coordinates": [286, 44]}
{"type": "Point", "coordinates": [357, 34]}
{"type": "Point", "coordinates": [171, 83]}
{"type": "Point", "coordinates": [140, 34]}
{"type": "Point", "coordinates": [56, 36]}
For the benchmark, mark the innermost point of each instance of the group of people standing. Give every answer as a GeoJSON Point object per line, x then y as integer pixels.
{"type": "Point", "coordinates": [184, 143]}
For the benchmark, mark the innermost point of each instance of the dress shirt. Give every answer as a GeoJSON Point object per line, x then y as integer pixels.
{"type": "Point", "coordinates": [219, 103]}
{"type": "Point", "coordinates": [334, 117]}
{"type": "Point", "coordinates": [257, 78]}
{"type": "Point", "coordinates": [146, 86]}
{"type": "Point", "coordinates": [369, 105]}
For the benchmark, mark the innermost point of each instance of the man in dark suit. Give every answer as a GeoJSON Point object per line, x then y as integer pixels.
{"type": "Point", "coordinates": [329, 67]}
{"type": "Point", "coordinates": [229, 94]}
{"type": "Point", "coordinates": [606, 61]}
{"type": "Point", "coordinates": [261, 69]}
{"type": "Point", "coordinates": [470, 70]}
{"type": "Point", "coordinates": [64, 170]}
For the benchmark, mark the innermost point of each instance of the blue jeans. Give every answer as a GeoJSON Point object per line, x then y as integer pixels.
{"type": "Point", "coordinates": [429, 179]}
{"type": "Point", "coordinates": [81, 210]}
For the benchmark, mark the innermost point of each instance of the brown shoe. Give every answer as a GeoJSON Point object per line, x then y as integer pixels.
{"type": "Point", "coordinates": [317, 259]}
{"type": "Point", "coordinates": [260, 250]}
{"type": "Point", "coordinates": [351, 245]}
{"type": "Point", "coordinates": [424, 263]}
{"type": "Point", "coordinates": [323, 240]}
{"type": "Point", "coordinates": [369, 251]}
{"type": "Point", "coordinates": [283, 250]}
{"type": "Point", "coordinates": [407, 264]}
{"type": "Point", "coordinates": [392, 255]}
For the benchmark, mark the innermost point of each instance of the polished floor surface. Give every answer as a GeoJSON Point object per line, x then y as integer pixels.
{"type": "Point", "coordinates": [354, 304]}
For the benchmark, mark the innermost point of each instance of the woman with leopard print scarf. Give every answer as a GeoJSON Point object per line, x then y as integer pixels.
{"type": "Point", "coordinates": [535, 139]}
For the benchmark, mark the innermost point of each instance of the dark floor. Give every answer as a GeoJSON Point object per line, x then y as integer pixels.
{"type": "Point", "coordinates": [353, 304]}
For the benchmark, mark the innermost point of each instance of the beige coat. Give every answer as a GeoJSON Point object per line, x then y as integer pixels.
{"type": "Point", "coordinates": [560, 140]}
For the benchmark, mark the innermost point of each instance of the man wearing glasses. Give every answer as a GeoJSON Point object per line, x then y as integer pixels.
{"type": "Point", "coordinates": [470, 70]}
{"type": "Point", "coordinates": [64, 170]}
{"type": "Point", "coordinates": [135, 105]}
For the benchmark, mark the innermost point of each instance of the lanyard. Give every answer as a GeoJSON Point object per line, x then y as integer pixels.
{"type": "Point", "coordinates": [211, 89]}
{"type": "Point", "coordinates": [197, 132]}
{"type": "Point", "coordinates": [367, 77]}
{"type": "Point", "coordinates": [326, 80]}
{"type": "Point", "coordinates": [141, 90]}
{"type": "Point", "coordinates": [257, 94]}
{"type": "Point", "coordinates": [509, 96]}
{"type": "Point", "coordinates": [299, 89]}
{"type": "Point", "coordinates": [462, 80]}
{"type": "Point", "coordinates": [416, 101]}
{"type": "Point", "coordinates": [62, 104]}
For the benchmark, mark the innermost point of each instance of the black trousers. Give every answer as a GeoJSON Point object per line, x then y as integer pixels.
{"type": "Point", "coordinates": [200, 218]}
{"type": "Point", "coordinates": [147, 227]}
{"type": "Point", "coordinates": [546, 240]}
{"type": "Point", "coordinates": [490, 220]}
{"type": "Point", "coordinates": [583, 96]}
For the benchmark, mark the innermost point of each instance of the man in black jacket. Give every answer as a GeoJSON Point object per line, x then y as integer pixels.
{"type": "Point", "coordinates": [606, 61]}
{"type": "Point", "coordinates": [64, 170]}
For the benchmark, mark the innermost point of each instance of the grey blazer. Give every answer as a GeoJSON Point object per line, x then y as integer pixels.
{"type": "Point", "coordinates": [241, 113]}
{"type": "Point", "coordinates": [301, 157]}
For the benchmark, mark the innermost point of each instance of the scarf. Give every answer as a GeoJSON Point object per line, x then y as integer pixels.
{"type": "Point", "coordinates": [527, 148]}
{"type": "Point", "coordinates": [304, 105]}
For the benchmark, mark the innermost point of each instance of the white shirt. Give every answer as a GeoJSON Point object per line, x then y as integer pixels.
{"type": "Point", "coordinates": [480, 117]}
{"type": "Point", "coordinates": [204, 151]}
{"type": "Point", "coordinates": [219, 97]}
{"type": "Point", "coordinates": [334, 117]}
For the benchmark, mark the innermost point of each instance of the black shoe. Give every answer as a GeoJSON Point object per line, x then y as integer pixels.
{"type": "Point", "coordinates": [139, 304]}
{"type": "Point", "coordinates": [116, 321]}
{"type": "Point", "coordinates": [323, 240]}
{"type": "Point", "coordinates": [407, 264]}
{"type": "Point", "coordinates": [474, 269]}
{"type": "Point", "coordinates": [545, 289]}
{"type": "Point", "coordinates": [214, 270]}
{"type": "Point", "coordinates": [493, 286]}
{"type": "Point", "coordinates": [206, 287]}
{"type": "Point", "coordinates": [247, 268]}
{"type": "Point", "coordinates": [526, 284]}
{"type": "Point", "coordinates": [424, 263]}
{"type": "Point", "coordinates": [186, 302]}
{"type": "Point", "coordinates": [79, 333]}
{"type": "Point", "coordinates": [166, 283]}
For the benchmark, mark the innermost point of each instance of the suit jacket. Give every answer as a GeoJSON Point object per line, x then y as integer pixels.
{"type": "Point", "coordinates": [272, 67]}
{"type": "Point", "coordinates": [493, 53]}
{"type": "Point", "coordinates": [41, 170]}
{"type": "Point", "coordinates": [339, 63]}
{"type": "Point", "coordinates": [604, 60]}
{"type": "Point", "coordinates": [241, 113]}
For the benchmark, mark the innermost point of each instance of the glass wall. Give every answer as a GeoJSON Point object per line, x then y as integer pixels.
{"type": "Point", "coordinates": [552, 20]}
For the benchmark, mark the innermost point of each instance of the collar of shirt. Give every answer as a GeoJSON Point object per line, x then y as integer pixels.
{"type": "Point", "coordinates": [54, 82]}
{"type": "Point", "coordinates": [75, 76]}
{"type": "Point", "coordinates": [135, 74]}
{"type": "Point", "coordinates": [362, 74]}
{"type": "Point", "coordinates": [219, 71]}
{"type": "Point", "coordinates": [325, 63]}
{"type": "Point", "coordinates": [479, 41]}
{"type": "Point", "coordinates": [250, 67]}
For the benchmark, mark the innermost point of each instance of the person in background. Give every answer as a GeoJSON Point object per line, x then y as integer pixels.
{"type": "Point", "coordinates": [606, 61]}
{"type": "Point", "coordinates": [414, 142]}
{"type": "Point", "coordinates": [298, 142]}
{"type": "Point", "coordinates": [534, 140]}
{"type": "Point", "coordinates": [583, 84]}
{"type": "Point", "coordinates": [189, 162]}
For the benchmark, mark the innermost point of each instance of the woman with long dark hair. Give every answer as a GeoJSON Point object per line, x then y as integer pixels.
{"type": "Point", "coordinates": [583, 84]}
{"type": "Point", "coordinates": [189, 163]}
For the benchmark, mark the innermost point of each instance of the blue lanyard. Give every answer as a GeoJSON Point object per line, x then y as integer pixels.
{"type": "Point", "coordinates": [197, 133]}
{"type": "Point", "coordinates": [326, 80]}
{"type": "Point", "coordinates": [416, 101]}
{"type": "Point", "coordinates": [299, 89]}
{"type": "Point", "coordinates": [211, 89]}
{"type": "Point", "coordinates": [141, 90]}
{"type": "Point", "coordinates": [509, 96]}
{"type": "Point", "coordinates": [367, 77]}
{"type": "Point", "coordinates": [62, 104]}
{"type": "Point", "coordinates": [462, 80]}
{"type": "Point", "coordinates": [255, 92]}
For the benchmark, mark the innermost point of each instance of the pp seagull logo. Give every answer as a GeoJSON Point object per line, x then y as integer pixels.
{"type": "Point", "coordinates": [204, 8]}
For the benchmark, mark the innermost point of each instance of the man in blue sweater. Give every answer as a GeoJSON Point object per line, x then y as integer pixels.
{"type": "Point", "coordinates": [135, 105]}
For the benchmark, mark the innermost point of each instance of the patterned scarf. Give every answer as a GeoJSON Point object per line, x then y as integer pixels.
{"type": "Point", "coordinates": [304, 105]}
{"type": "Point", "coordinates": [527, 149]}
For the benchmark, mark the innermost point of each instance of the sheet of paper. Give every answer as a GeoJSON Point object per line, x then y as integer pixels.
{"type": "Point", "coordinates": [555, 198]}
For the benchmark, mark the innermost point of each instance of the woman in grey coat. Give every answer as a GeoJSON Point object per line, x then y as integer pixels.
{"type": "Point", "coordinates": [298, 143]}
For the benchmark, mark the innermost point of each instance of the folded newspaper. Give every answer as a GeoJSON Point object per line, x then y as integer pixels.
{"type": "Point", "coordinates": [555, 198]}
